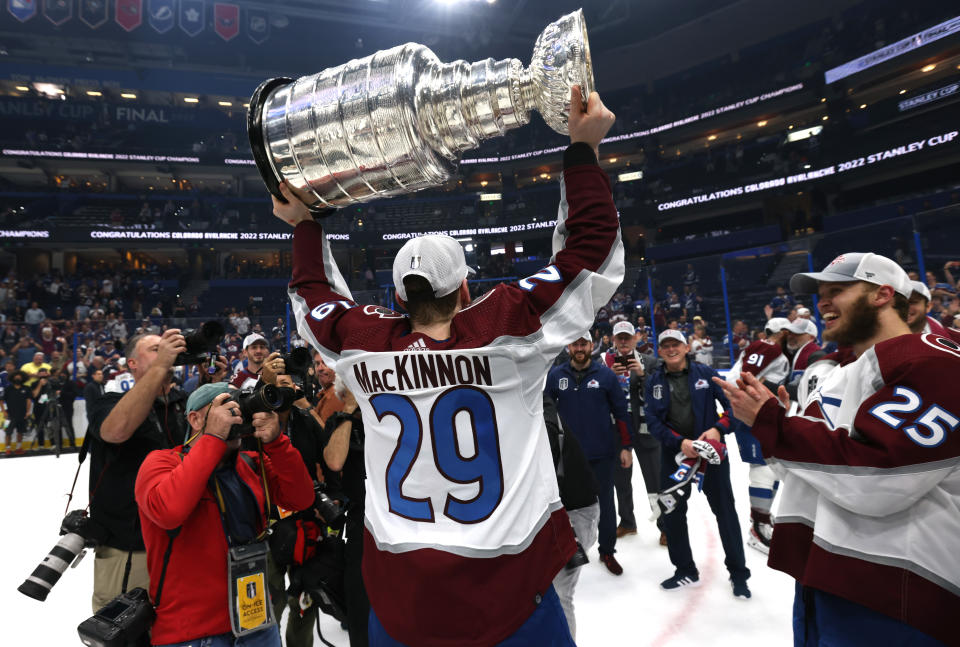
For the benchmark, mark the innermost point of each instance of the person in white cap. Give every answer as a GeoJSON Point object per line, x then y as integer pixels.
{"type": "Point", "coordinates": [869, 469]}
{"type": "Point", "coordinates": [255, 351]}
{"type": "Point", "coordinates": [920, 304]}
{"type": "Point", "coordinates": [681, 408]}
{"type": "Point", "coordinates": [766, 360]}
{"type": "Point", "coordinates": [629, 367]}
{"type": "Point", "coordinates": [465, 529]}
{"type": "Point", "coordinates": [801, 345]}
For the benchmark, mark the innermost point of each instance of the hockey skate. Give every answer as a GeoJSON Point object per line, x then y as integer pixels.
{"type": "Point", "coordinates": [761, 531]}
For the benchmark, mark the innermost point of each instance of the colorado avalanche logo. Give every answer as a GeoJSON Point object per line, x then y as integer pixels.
{"type": "Point", "coordinates": [658, 392]}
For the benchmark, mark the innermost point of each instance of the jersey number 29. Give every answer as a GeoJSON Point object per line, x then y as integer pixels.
{"type": "Point", "coordinates": [483, 468]}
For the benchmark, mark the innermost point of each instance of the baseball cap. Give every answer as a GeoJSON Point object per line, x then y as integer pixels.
{"type": "Point", "coordinates": [800, 326]}
{"type": "Point", "coordinates": [776, 324]}
{"type": "Point", "coordinates": [624, 328]}
{"type": "Point", "coordinates": [205, 394]}
{"type": "Point", "coordinates": [253, 338]}
{"type": "Point", "coordinates": [672, 334]}
{"type": "Point", "coordinates": [437, 258]}
{"type": "Point", "coordinates": [584, 335]}
{"type": "Point", "coordinates": [803, 312]}
{"type": "Point", "coordinates": [920, 288]}
{"type": "Point", "coordinates": [855, 266]}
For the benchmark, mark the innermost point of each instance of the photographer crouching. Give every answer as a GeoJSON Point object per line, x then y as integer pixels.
{"type": "Point", "coordinates": [204, 510]}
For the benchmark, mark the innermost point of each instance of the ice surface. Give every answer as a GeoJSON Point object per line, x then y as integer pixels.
{"type": "Point", "coordinates": [626, 610]}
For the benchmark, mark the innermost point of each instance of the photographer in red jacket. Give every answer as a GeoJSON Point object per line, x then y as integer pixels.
{"type": "Point", "coordinates": [202, 510]}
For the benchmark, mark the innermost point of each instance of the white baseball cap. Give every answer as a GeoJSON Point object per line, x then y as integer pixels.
{"type": "Point", "coordinates": [776, 324]}
{"type": "Point", "coordinates": [855, 266]}
{"type": "Point", "coordinates": [803, 312]}
{"type": "Point", "coordinates": [670, 333]}
{"type": "Point", "coordinates": [584, 335]}
{"type": "Point", "coordinates": [437, 258]}
{"type": "Point", "coordinates": [624, 328]}
{"type": "Point", "coordinates": [801, 326]}
{"type": "Point", "coordinates": [921, 289]}
{"type": "Point", "coordinates": [253, 338]}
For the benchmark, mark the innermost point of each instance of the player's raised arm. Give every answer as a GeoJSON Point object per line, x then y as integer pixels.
{"type": "Point", "coordinates": [587, 264]}
{"type": "Point", "coordinates": [319, 295]}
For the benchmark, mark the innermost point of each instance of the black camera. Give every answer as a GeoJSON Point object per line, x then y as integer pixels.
{"type": "Point", "coordinates": [297, 361]}
{"type": "Point", "coordinates": [79, 533]}
{"type": "Point", "coordinates": [333, 513]}
{"type": "Point", "coordinates": [124, 622]}
{"type": "Point", "coordinates": [261, 398]}
{"type": "Point", "coordinates": [202, 344]}
{"type": "Point", "coordinates": [322, 577]}
{"type": "Point", "coordinates": [579, 558]}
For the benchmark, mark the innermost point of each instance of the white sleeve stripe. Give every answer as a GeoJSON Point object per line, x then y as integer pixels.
{"type": "Point", "coordinates": [301, 310]}
{"type": "Point", "coordinates": [334, 277]}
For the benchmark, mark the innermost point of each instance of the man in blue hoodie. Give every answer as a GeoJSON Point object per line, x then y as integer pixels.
{"type": "Point", "coordinates": [592, 405]}
{"type": "Point", "coordinates": [681, 407]}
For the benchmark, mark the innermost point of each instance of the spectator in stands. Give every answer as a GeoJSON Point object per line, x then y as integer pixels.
{"type": "Point", "coordinates": [19, 404]}
{"type": "Point", "coordinates": [741, 335]}
{"type": "Point", "coordinates": [681, 406]}
{"type": "Point", "coordinates": [34, 367]}
{"type": "Point", "coordinates": [690, 278]}
{"type": "Point", "coordinates": [34, 316]}
{"type": "Point", "coordinates": [782, 303]}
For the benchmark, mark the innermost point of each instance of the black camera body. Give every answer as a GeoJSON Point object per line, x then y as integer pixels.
{"type": "Point", "coordinates": [333, 513]}
{"type": "Point", "coordinates": [124, 622]}
{"type": "Point", "coordinates": [261, 398]}
{"type": "Point", "coordinates": [202, 344]}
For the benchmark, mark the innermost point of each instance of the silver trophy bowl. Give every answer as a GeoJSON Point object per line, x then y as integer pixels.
{"type": "Point", "coordinates": [398, 120]}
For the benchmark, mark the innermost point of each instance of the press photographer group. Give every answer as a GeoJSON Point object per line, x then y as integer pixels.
{"type": "Point", "coordinates": [258, 451]}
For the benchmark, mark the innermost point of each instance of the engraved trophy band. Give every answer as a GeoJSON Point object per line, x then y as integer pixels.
{"type": "Point", "coordinates": [398, 120]}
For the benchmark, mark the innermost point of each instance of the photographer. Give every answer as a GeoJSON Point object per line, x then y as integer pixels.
{"type": "Point", "coordinates": [343, 452]}
{"type": "Point", "coordinates": [204, 504]}
{"type": "Point", "coordinates": [125, 427]}
{"type": "Point", "coordinates": [300, 425]}
{"type": "Point", "coordinates": [18, 401]}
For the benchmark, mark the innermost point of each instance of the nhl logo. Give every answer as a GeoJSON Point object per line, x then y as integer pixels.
{"type": "Point", "coordinates": [415, 262]}
{"type": "Point", "coordinates": [564, 383]}
{"type": "Point", "coordinates": [657, 391]}
{"type": "Point", "coordinates": [251, 590]}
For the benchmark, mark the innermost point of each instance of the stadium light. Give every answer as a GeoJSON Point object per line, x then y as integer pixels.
{"type": "Point", "coordinates": [128, 95]}
{"type": "Point", "coordinates": [928, 68]}
{"type": "Point", "coordinates": [711, 138]}
{"type": "Point", "coordinates": [904, 91]}
{"type": "Point", "coordinates": [225, 104]}
{"type": "Point", "coordinates": [761, 124]}
{"type": "Point", "coordinates": [191, 100]}
{"type": "Point", "coordinates": [862, 106]}
{"type": "Point", "coordinates": [631, 176]}
{"type": "Point", "coordinates": [825, 117]}
{"type": "Point", "coordinates": [490, 197]}
{"type": "Point", "coordinates": [23, 88]}
{"type": "Point", "coordinates": [94, 93]}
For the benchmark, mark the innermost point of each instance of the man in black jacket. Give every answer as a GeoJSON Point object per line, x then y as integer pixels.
{"type": "Point", "coordinates": [18, 401]}
{"type": "Point", "coordinates": [578, 495]}
{"type": "Point", "coordinates": [93, 391]}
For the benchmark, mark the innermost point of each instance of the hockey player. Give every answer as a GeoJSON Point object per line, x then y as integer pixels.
{"type": "Point", "coordinates": [801, 345]}
{"type": "Point", "coordinates": [870, 470]}
{"type": "Point", "coordinates": [765, 360]}
{"type": "Point", "coordinates": [917, 317]}
{"type": "Point", "coordinates": [462, 541]}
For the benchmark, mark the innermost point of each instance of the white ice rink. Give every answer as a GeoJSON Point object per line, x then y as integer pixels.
{"type": "Point", "coordinates": [626, 610]}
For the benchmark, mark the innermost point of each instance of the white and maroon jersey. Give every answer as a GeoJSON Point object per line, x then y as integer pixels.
{"type": "Point", "coordinates": [244, 378]}
{"type": "Point", "coordinates": [871, 482]}
{"type": "Point", "coordinates": [119, 383]}
{"type": "Point", "coordinates": [762, 359]}
{"type": "Point", "coordinates": [801, 358]}
{"type": "Point", "coordinates": [464, 524]}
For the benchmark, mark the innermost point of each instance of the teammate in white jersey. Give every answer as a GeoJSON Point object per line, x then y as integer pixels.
{"type": "Point", "coordinates": [867, 522]}
{"type": "Point", "coordinates": [464, 525]}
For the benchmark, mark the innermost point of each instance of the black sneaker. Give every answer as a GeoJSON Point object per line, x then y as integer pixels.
{"type": "Point", "coordinates": [678, 582]}
{"type": "Point", "coordinates": [740, 589]}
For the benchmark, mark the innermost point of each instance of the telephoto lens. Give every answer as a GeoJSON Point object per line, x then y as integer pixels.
{"type": "Point", "coordinates": [48, 572]}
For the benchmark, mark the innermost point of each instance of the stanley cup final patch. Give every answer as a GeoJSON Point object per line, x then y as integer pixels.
{"type": "Point", "coordinates": [415, 262]}
{"type": "Point", "coordinates": [658, 392]}
{"type": "Point", "coordinates": [563, 384]}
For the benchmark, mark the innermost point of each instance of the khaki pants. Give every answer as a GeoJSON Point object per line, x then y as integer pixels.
{"type": "Point", "coordinates": [108, 568]}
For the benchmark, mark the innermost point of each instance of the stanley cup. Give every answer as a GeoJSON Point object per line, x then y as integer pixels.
{"type": "Point", "coordinates": [398, 120]}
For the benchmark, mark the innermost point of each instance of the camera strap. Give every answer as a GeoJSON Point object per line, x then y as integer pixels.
{"type": "Point", "coordinates": [166, 560]}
